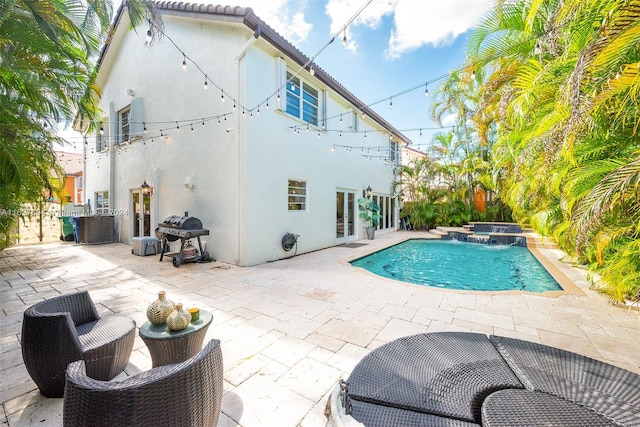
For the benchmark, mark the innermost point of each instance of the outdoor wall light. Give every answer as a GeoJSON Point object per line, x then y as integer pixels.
{"type": "Point", "coordinates": [146, 188]}
{"type": "Point", "coordinates": [367, 192]}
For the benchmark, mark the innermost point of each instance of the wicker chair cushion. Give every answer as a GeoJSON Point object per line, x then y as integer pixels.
{"type": "Point", "coordinates": [604, 388]}
{"type": "Point", "coordinates": [445, 374]}
{"type": "Point", "coordinates": [182, 394]}
{"type": "Point", "coordinates": [531, 408]}
{"type": "Point", "coordinates": [373, 415]}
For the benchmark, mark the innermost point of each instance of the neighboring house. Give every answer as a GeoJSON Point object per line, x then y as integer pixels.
{"type": "Point", "coordinates": [71, 164]}
{"type": "Point", "coordinates": [268, 148]}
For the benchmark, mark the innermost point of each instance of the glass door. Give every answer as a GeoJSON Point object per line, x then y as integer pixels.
{"type": "Point", "coordinates": [141, 214]}
{"type": "Point", "coordinates": [345, 217]}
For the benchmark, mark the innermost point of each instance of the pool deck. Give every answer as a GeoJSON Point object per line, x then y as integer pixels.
{"type": "Point", "coordinates": [290, 329]}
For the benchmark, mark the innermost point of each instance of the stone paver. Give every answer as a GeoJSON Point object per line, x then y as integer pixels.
{"type": "Point", "coordinates": [289, 329]}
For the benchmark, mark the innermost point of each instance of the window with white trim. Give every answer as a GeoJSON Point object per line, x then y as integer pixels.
{"type": "Point", "coordinates": [303, 100]}
{"type": "Point", "coordinates": [102, 202]}
{"type": "Point", "coordinates": [124, 125]}
{"type": "Point", "coordinates": [394, 154]}
{"type": "Point", "coordinates": [297, 195]}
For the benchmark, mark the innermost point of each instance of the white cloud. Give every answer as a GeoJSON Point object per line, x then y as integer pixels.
{"type": "Point", "coordinates": [416, 22]}
{"type": "Point", "coordinates": [432, 22]}
{"type": "Point", "coordinates": [284, 16]}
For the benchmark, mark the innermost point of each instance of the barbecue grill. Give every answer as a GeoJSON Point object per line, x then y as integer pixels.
{"type": "Point", "coordinates": [182, 228]}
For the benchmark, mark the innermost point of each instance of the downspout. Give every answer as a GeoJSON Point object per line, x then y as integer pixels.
{"type": "Point", "coordinates": [236, 136]}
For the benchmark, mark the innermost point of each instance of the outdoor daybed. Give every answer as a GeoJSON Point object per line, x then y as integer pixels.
{"type": "Point", "coordinates": [469, 379]}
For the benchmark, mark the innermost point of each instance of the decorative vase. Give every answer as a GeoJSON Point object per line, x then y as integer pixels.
{"type": "Point", "coordinates": [158, 311]}
{"type": "Point", "coordinates": [178, 319]}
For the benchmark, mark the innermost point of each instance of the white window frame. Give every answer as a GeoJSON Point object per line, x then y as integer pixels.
{"type": "Point", "coordinates": [297, 195]}
{"type": "Point", "coordinates": [301, 91]}
{"type": "Point", "coordinates": [104, 206]}
{"type": "Point", "coordinates": [124, 126]}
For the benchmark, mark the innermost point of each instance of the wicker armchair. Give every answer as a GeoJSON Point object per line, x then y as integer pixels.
{"type": "Point", "coordinates": [182, 394]}
{"type": "Point", "coordinates": [67, 328]}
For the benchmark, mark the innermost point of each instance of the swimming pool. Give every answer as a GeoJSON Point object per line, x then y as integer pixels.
{"type": "Point", "coordinates": [451, 264]}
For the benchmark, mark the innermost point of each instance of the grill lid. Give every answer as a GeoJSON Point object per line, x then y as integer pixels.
{"type": "Point", "coordinates": [181, 222]}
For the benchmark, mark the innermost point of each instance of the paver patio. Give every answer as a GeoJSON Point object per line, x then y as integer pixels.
{"type": "Point", "coordinates": [289, 329]}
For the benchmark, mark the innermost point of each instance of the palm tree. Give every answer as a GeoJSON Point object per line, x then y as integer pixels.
{"type": "Point", "coordinates": [560, 102]}
{"type": "Point", "coordinates": [47, 69]}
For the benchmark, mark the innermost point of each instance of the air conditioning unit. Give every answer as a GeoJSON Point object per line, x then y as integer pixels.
{"type": "Point", "coordinates": [144, 246]}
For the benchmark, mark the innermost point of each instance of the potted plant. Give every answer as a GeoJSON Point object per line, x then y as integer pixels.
{"type": "Point", "coordinates": [370, 215]}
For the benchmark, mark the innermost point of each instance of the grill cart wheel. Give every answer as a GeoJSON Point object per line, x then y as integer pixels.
{"type": "Point", "coordinates": [177, 260]}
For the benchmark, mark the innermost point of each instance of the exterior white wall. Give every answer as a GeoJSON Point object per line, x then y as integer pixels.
{"type": "Point", "coordinates": [241, 175]}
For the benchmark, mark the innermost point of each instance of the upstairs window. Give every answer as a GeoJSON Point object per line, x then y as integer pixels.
{"type": "Point", "coordinates": [297, 197]}
{"type": "Point", "coordinates": [394, 154]}
{"type": "Point", "coordinates": [302, 100]}
{"type": "Point", "coordinates": [124, 125]}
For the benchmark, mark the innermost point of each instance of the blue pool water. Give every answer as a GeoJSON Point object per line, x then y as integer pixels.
{"type": "Point", "coordinates": [458, 265]}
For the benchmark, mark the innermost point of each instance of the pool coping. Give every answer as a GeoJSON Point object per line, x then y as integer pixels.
{"type": "Point", "coordinates": [565, 282]}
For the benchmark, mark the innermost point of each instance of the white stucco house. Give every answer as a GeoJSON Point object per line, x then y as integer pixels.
{"type": "Point", "coordinates": [267, 148]}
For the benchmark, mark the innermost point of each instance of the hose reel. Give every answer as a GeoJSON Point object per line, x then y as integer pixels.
{"type": "Point", "coordinates": [289, 240]}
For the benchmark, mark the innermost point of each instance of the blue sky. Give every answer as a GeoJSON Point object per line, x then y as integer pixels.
{"type": "Point", "coordinates": [391, 46]}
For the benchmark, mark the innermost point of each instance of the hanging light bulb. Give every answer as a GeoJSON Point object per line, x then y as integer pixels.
{"type": "Point", "coordinates": [340, 118]}
{"type": "Point", "coordinates": [144, 129]}
{"type": "Point", "coordinates": [258, 110]}
{"type": "Point", "coordinates": [234, 105]}
{"type": "Point", "coordinates": [293, 86]}
{"type": "Point", "coordinates": [202, 122]}
{"type": "Point", "coordinates": [177, 126]}
{"type": "Point", "coordinates": [206, 83]}
{"type": "Point", "coordinates": [473, 74]}
{"type": "Point", "coordinates": [218, 120]}
{"type": "Point", "coordinates": [278, 96]}
{"type": "Point", "coordinates": [267, 106]}
{"type": "Point", "coordinates": [184, 62]}
{"type": "Point", "coordinates": [390, 102]}
{"type": "Point", "coordinates": [221, 95]}
{"type": "Point", "coordinates": [101, 129]}
{"type": "Point", "coordinates": [312, 71]}
{"type": "Point", "coordinates": [365, 134]}
{"type": "Point", "coordinates": [333, 148]}
{"type": "Point", "coordinates": [537, 49]}
{"type": "Point", "coordinates": [191, 127]}
{"type": "Point", "coordinates": [344, 38]}
{"type": "Point", "coordinates": [426, 90]}
{"type": "Point", "coordinates": [242, 111]}
{"type": "Point", "coordinates": [149, 35]}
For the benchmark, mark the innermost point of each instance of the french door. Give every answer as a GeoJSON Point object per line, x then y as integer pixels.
{"type": "Point", "coordinates": [141, 218]}
{"type": "Point", "coordinates": [345, 214]}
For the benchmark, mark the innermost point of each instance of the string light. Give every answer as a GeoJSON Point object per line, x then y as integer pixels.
{"type": "Point", "coordinates": [206, 83]}
{"type": "Point", "coordinates": [191, 127]}
{"type": "Point", "coordinates": [144, 129]}
{"type": "Point", "coordinates": [101, 129]}
{"type": "Point", "coordinates": [333, 148]}
{"type": "Point", "coordinates": [426, 89]}
{"type": "Point", "coordinates": [149, 35]}
{"type": "Point", "coordinates": [312, 71]}
{"type": "Point", "coordinates": [344, 38]}
{"type": "Point", "coordinates": [177, 126]}
{"type": "Point", "coordinates": [221, 95]}
{"type": "Point", "coordinates": [184, 61]}
{"type": "Point", "coordinates": [391, 102]}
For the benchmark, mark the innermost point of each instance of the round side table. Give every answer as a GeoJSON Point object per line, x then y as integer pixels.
{"type": "Point", "coordinates": [166, 346]}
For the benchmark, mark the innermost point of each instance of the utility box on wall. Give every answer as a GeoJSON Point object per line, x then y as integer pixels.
{"type": "Point", "coordinates": [144, 246]}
